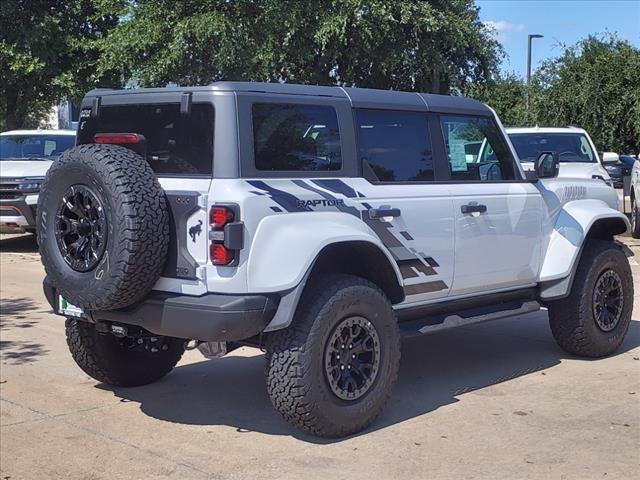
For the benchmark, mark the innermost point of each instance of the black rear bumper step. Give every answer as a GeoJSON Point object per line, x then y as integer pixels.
{"type": "Point", "coordinates": [211, 317]}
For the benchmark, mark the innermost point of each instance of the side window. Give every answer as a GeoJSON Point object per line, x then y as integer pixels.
{"type": "Point", "coordinates": [395, 146]}
{"type": "Point", "coordinates": [495, 161]}
{"type": "Point", "coordinates": [293, 137]}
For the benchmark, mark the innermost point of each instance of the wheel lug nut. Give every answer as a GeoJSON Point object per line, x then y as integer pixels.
{"type": "Point", "coordinates": [353, 356]}
{"type": "Point", "coordinates": [349, 367]}
{"type": "Point", "coordinates": [350, 345]}
{"type": "Point", "coordinates": [341, 367]}
{"type": "Point", "coordinates": [338, 357]}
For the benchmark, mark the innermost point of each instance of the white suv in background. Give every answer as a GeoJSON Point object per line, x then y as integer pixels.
{"type": "Point", "coordinates": [25, 157]}
{"type": "Point", "coordinates": [578, 155]}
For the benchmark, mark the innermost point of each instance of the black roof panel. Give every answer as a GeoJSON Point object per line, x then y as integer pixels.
{"type": "Point", "coordinates": [359, 97]}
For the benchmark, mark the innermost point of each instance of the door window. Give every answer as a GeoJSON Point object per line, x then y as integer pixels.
{"type": "Point", "coordinates": [494, 163]}
{"type": "Point", "coordinates": [292, 137]}
{"type": "Point", "coordinates": [395, 146]}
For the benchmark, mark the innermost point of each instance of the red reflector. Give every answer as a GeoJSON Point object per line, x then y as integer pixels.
{"type": "Point", "coordinates": [220, 216]}
{"type": "Point", "coordinates": [221, 255]}
{"type": "Point", "coordinates": [117, 138]}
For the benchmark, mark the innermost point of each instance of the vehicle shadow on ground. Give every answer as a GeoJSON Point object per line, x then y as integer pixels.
{"type": "Point", "coordinates": [17, 313]}
{"type": "Point", "coordinates": [26, 243]}
{"type": "Point", "coordinates": [434, 371]}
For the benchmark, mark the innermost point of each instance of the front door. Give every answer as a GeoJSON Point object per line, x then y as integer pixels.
{"type": "Point", "coordinates": [498, 216]}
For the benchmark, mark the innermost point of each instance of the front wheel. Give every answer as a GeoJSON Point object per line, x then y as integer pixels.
{"type": "Point", "coordinates": [123, 362]}
{"type": "Point", "coordinates": [593, 320]}
{"type": "Point", "coordinates": [332, 371]}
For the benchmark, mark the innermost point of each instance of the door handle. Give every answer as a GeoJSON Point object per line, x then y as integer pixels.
{"type": "Point", "coordinates": [473, 208]}
{"type": "Point", "coordinates": [384, 212]}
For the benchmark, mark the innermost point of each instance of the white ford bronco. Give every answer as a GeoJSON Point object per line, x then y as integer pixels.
{"type": "Point", "coordinates": [320, 224]}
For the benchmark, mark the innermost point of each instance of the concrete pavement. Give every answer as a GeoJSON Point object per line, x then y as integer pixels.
{"type": "Point", "coordinates": [498, 400]}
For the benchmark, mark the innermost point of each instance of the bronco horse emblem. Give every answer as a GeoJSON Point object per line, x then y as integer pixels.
{"type": "Point", "coordinates": [195, 231]}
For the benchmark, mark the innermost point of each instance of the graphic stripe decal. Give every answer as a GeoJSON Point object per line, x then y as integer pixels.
{"type": "Point", "coordinates": [427, 287]}
{"type": "Point", "coordinates": [406, 235]}
{"type": "Point", "coordinates": [410, 263]}
{"type": "Point", "coordinates": [284, 199]}
{"type": "Point", "coordinates": [343, 208]}
{"type": "Point", "coordinates": [336, 186]}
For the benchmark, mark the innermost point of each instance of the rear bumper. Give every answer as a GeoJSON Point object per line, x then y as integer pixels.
{"type": "Point", "coordinates": [210, 317]}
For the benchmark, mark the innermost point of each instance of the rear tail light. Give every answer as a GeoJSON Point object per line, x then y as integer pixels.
{"type": "Point", "coordinates": [226, 234]}
{"type": "Point", "coordinates": [221, 255]}
{"type": "Point", "coordinates": [118, 138]}
{"type": "Point", "coordinates": [220, 216]}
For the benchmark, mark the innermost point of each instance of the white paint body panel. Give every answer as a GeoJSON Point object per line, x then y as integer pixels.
{"type": "Point", "coordinates": [502, 247]}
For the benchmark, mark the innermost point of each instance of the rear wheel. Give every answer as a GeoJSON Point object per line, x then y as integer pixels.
{"type": "Point", "coordinates": [593, 320]}
{"type": "Point", "coordinates": [137, 359]}
{"type": "Point", "coordinates": [332, 371]}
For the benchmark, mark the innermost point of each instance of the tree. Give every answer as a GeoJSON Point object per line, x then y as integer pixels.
{"type": "Point", "coordinates": [48, 51]}
{"type": "Point", "coordinates": [422, 45]}
{"type": "Point", "coordinates": [596, 85]}
{"type": "Point", "coordinates": [506, 94]}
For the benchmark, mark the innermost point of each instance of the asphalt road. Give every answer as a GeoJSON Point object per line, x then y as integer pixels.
{"type": "Point", "coordinates": [498, 400]}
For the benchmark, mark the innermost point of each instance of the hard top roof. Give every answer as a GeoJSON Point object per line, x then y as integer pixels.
{"type": "Point", "coordinates": [517, 130]}
{"type": "Point", "coordinates": [359, 97]}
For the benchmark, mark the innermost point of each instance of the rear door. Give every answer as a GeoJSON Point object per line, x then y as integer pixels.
{"type": "Point", "coordinates": [498, 215]}
{"type": "Point", "coordinates": [412, 215]}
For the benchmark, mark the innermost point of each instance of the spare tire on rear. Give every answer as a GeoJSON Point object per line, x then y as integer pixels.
{"type": "Point", "coordinates": [103, 226]}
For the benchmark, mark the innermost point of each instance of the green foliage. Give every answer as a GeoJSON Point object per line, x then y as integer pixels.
{"type": "Point", "coordinates": [506, 94]}
{"type": "Point", "coordinates": [47, 52]}
{"type": "Point", "coordinates": [596, 85]}
{"type": "Point", "coordinates": [432, 45]}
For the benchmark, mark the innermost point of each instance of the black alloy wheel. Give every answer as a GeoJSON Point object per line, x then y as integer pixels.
{"type": "Point", "coordinates": [352, 358]}
{"type": "Point", "coordinates": [608, 299]}
{"type": "Point", "coordinates": [81, 228]}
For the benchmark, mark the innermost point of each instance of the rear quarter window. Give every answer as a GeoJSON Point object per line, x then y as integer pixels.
{"type": "Point", "coordinates": [295, 137]}
{"type": "Point", "coordinates": [176, 144]}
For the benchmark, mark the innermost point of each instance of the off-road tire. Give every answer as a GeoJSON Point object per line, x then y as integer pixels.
{"type": "Point", "coordinates": [103, 356]}
{"type": "Point", "coordinates": [635, 218]}
{"type": "Point", "coordinates": [572, 320]}
{"type": "Point", "coordinates": [295, 374]}
{"type": "Point", "coordinates": [137, 220]}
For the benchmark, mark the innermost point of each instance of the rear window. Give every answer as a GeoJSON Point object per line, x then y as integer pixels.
{"type": "Point", "coordinates": [175, 144]}
{"type": "Point", "coordinates": [293, 137]}
{"type": "Point", "coordinates": [36, 147]}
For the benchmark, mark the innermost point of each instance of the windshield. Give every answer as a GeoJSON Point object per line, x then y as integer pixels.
{"type": "Point", "coordinates": [45, 147]}
{"type": "Point", "coordinates": [571, 147]}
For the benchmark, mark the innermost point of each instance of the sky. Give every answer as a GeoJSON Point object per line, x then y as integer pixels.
{"type": "Point", "coordinates": [562, 22]}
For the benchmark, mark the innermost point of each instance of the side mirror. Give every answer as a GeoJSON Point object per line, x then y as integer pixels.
{"type": "Point", "coordinates": [547, 165]}
{"type": "Point", "coordinates": [610, 157]}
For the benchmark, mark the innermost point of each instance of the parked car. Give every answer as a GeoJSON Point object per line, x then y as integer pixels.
{"type": "Point", "coordinates": [578, 155]}
{"type": "Point", "coordinates": [634, 191]}
{"type": "Point", "coordinates": [320, 224]}
{"type": "Point", "coordinates": [25, 157]}
{"type": "Point", "coordinates": [618, 167]}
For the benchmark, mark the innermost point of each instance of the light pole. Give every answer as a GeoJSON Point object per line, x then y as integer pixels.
{"type": "Point", "coordinates": [529, 38]}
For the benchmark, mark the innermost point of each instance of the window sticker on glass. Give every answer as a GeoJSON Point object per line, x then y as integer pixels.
{"type": "Point", "coordinates": [457, 152]}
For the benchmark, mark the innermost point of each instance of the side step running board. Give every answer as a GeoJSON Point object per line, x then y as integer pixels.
{"type": "Point", "coordinates": [436, 323]}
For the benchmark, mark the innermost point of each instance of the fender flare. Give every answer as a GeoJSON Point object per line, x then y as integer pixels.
{"type": "Point", "coordinates": [285, 247]}
{"type": "Point", "coordinates": [572, 228]}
